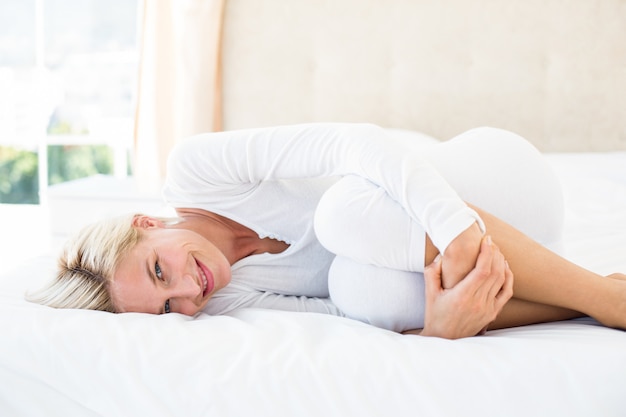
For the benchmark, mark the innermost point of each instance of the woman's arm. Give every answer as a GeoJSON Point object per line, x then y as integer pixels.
{"type": "Point", "coordinates": [469, 307]}
{"type": "Point", "coordinates": [239, 295]}
{"type": "Point", "coordinates": [226, 166]}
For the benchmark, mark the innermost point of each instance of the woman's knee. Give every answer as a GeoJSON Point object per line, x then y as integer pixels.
{"type": "Point", "coordinates": [383, 297]}
{"type": "Point", "coordinates": [347, 214]}
{"type": "Point", "coordinates": [332, 215]}
{"type": "Point", "coordinates": [358, 220]}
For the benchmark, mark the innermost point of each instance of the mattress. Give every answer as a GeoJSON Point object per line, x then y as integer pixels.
{"type": "Point", "coordinates": [271, 363]}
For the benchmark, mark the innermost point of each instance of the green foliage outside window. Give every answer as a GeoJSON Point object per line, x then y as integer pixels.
{"type": "Point", "coordinates": [19, 182]}
{"type": "Point", "coordinates": [66, 163]}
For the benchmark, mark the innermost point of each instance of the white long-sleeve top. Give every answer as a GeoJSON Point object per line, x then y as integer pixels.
{"type": "Point", "coordinates": [270, 180]}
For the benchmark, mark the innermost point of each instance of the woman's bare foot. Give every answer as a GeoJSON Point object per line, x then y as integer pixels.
{"type": "Point", "coordinates": [615, 305]}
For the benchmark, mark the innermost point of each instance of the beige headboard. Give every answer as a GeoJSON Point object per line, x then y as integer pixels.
{"type": "Point", "coordinates": [551, 70]}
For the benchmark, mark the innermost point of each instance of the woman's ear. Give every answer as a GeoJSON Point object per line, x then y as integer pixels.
{"type": "Point", "coordinates": [141, 221]}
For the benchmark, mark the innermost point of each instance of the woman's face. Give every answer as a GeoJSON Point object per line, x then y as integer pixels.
{"type": "Point", "coordinates": [169, 270]}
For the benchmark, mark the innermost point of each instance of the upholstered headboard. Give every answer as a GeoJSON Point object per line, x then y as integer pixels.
{"type": "Point", "coordinates": [551, 70]}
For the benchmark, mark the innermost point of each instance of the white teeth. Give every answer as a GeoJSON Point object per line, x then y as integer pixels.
{"type": "Point", "coordinates": [204, 280]}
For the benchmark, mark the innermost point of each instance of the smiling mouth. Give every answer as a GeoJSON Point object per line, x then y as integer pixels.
{"type": "Point", "coordinates": [206, 278]}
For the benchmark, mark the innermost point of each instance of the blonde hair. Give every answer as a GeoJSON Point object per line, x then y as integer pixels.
{"type": "Point", "coordinates": [87, 264]}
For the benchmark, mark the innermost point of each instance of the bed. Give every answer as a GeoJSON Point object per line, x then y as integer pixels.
{"type": "Point", "coordinates": [271, 363]}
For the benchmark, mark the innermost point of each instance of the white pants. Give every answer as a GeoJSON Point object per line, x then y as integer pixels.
{"type": "Point", "coordinates": [376, 276]}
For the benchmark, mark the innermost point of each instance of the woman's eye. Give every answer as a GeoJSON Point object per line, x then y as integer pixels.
{"type": "Point", "coordinates": [158, 272]}
{"type": "Point", "coordinates": [166, 307]}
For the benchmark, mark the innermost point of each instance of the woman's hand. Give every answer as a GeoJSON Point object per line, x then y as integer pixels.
{"type": "Point", "coordinates": [460, 256]}
{"type": "Point", "coordinates": [473, 303]}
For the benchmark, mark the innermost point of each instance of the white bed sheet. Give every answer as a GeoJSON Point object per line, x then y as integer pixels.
{"type": "Point", "coordinates": [270, 363]}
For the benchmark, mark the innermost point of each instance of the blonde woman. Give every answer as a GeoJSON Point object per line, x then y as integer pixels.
{"type": "Point", "coordinates": [341, 219]}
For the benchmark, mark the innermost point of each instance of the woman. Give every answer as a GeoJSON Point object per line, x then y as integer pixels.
{"type": "Point", "coordinates": [340, 219]}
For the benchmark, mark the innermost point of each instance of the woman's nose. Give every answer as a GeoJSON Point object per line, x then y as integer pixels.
{"type": "Point", "coordinates": [184, 294]}
{"type": "Point", "coordinates": [186, 286]}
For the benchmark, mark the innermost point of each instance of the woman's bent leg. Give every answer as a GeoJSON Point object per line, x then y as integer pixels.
{"type": "Point", "coordinates": [500, 172]}
{"type": "Point", "coordinates": [521, 312]}
{"type": "Point", "coordinates": [514, 182]}
{"type": "Point", "coordinates": [377, 242]}
{"type": "Point", "coordinates": [543, 277]}
{"type": "Point", "coordinates": [386, 298]}
{"type": "Point", "coordinates": [375, 277]}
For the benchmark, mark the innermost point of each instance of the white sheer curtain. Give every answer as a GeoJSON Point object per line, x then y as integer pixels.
{"type": "Point", "coordinates": [179, 84]}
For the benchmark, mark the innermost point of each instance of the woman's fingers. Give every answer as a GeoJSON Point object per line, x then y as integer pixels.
{"type": "Point", "coordinates": [497, 275]}
{"type": "Point", "coordinates": [489, 275]}
{"type": "Point", "coordinates": [500, 280]}
{"type": "Point", "coordinates": [498, 285]}
{"type": "Point", "coordinates": [491, 280]}
{"type": "Point", "coordinates": [432, 278]}
{"type": "Point", "coordinates": [477, 278]}
{"type": "Point", "coordinates": [506, 292]}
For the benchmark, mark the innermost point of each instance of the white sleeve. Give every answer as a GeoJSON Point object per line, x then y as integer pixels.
{"type": "Point", "coordinates": [222, 167]}
{"type": "Point", "coordinates": [240, 295]}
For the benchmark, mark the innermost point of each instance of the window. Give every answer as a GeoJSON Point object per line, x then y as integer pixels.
{"type": "Point", "coordinates": [67, 76]}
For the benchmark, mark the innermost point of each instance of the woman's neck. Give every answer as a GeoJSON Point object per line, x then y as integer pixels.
{"type": "Point", "coordinates": [233, 239]}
